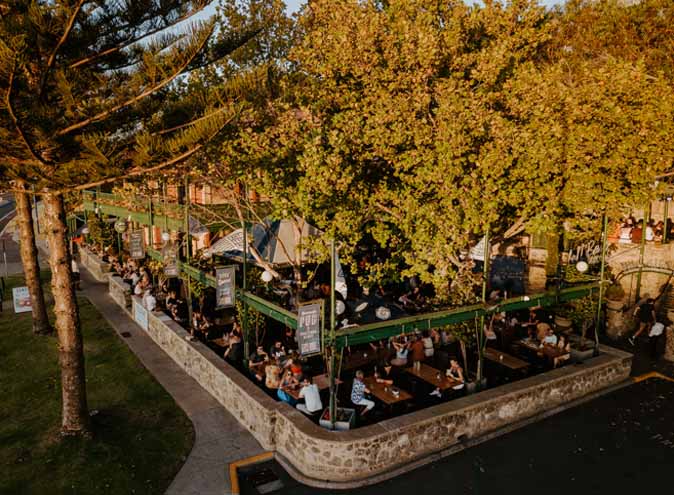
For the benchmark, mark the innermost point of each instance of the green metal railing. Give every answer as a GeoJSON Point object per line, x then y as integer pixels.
{"type": "Point", "coordinates": [381, 330]}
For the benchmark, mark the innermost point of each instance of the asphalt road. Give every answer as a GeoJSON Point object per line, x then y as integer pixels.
{"type": "Point", "coordinates": [621, 443]}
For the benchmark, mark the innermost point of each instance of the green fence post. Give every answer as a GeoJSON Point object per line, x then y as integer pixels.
{"type": "Point", "coordinates": [647, 215]}
{"type": "Point", "coordinates": [604, 242]}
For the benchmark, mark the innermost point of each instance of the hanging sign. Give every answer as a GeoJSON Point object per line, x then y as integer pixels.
{"type": "Point", "coordinates": [170, 255]}
{"type": "Point", "coordinates": [589, 251]}
{"type": "Point", "coordinates": [136, 245]}
{"type": "Point", "coordinates": [309, 328]}
{"type": "Point", "coordinates": [21, 298]}
{"type": "Point", "coordinates": [225, 287]}
{"type": "Point", "coordinates": [120, 226]}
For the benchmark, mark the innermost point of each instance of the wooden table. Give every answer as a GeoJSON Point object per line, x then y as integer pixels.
{"type": "Point", "coordinates": [430, 375]}
{"type": "Point", "coordinates": [384, 392]}
{"type": "Point", "coordinates": [221, 342]}
{"type": "Point", "coordinates": [549, 351]}
{"type": "Point", "coordinates": [321, 381]}
{"type": "Point", "coordinates": [362, 358]}
{"type": "Point", "coordinates": [505, 359]}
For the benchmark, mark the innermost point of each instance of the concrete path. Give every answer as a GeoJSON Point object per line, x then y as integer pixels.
{"type": "Point", "coordinates": [220, 439]}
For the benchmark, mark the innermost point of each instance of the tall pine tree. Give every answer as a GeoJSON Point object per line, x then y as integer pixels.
{"type": "Point", "coordinates": [85, 101]}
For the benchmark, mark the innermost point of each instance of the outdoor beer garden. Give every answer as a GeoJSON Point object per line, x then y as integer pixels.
{"type": "Point", "coordinates": [343, 353]}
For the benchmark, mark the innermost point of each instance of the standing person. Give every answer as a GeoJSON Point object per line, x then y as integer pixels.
{"type": "Point", "coordinates": [646, 314]}
{"type": "Point", "coordinates": [358, 391]}
{"type": "Point", "coordinates": [418, 354]}
{"type": "Point", "coordinates": [76, 273]}
{"type": "Point", "coordinates": [654, 336]}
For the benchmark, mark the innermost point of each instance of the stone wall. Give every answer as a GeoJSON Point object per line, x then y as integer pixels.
{"type": "Point", "coordinates": [254, 409]}
{"type": "Point", "coordinates": [323, 457]}
{"type": "Point", "coordinates": [356, 455]}
{"type": "Point", "coordinates": [120, 291]}
{"type": "Point", "coordinates": [98, 269]}
{"type": "Point", "coordinates": [669, 344]}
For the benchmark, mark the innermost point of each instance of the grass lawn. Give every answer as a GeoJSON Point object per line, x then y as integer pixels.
{"type": "Point", "coordinates": [141, 437]}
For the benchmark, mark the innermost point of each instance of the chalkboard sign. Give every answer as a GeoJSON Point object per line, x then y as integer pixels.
{"type": "Point", "coordinates": [309, 328]}
{"type": "Point", "coordinates": [170, 256]}
{"type": "Point", "coordinates": [137, 245]}
{"type": "Point", "coordinates": [508, 273]}
{"type": "Point", "coordinates": [225, 287]}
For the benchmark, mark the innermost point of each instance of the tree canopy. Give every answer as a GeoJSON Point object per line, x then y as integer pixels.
{"type": "Point", "coordinates": [423, 124]}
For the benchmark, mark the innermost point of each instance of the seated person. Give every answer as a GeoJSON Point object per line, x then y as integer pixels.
{"type": "Point", "coordinates": [358, 391]}
{"type": "Point", "coordinates": [455, 372]}
{"type": "Point", "coordinates": [288, 382]}
{"type": "Point", "coordinates": [149, 301]}
{"type": "Point", "coordinates": [277, 351]}
{"type": "Point", "coordinates": [272, 371]}
{"type": "Point", "coordinates": [258, 356]}
{"type": "Point", "coordinates": [549, 339]}
{"type": "Point", "coordinates": [312, 397]}
{"type": "Point", "coordinates": [542, 330]}
{"type": "Point", "coordinates": [383, 378]}
{"type": "Point", "coordinates": [565, 346]}
{"type": "Point", "coordinates": [489, 332]}
{"type": "Point", "coordinates": [234, 352]}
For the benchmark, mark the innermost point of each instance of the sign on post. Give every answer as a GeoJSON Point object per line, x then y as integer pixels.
{"type": "Point", "coordinates": [170, 256]}
{"type": "Point", "coordinates": [309, 328]}
{"type": "Point", "coordinates": [225, 287]}
{"type": "Point", "coordinates": [136, 245]}
{"type": "Point", "coordinates": [21, 298]}
{"type": "Point", "coordinates": [140, 313]}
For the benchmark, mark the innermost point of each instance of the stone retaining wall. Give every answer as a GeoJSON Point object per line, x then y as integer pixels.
{"type": "Point", "coordinates": [323, 457]}
{"type": "Point", "coordinates": [98, 269]}
{"type": "Point", "coordinates": [120, 291]}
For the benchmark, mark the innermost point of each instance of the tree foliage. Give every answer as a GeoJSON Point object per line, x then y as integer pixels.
{"type": "Point", "coordinates": [421, 125]}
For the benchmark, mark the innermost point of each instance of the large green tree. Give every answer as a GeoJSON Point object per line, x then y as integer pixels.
{"type": "Point", "coordinates": [86, 99]}
{"type": "Point", "coordinates": [424, 124]}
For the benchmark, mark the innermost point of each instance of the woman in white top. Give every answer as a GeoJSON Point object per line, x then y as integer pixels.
{"type": "Point", "coordinates": [401, 354]}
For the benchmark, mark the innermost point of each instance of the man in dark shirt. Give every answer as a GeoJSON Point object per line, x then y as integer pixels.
{"type": "Point", "coordinates": [646, 314]}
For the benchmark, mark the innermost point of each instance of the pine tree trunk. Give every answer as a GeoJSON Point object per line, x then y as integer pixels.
{"type": "Point", "coordinates": [75, 415]}
{"type": "Point", "coordinates": [31, 268]}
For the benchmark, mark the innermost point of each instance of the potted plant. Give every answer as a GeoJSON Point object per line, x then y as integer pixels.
{"type": "Point", "coordinates": [345, 419]}
{"type": "Point", "coordinates": [563, 317]}
{"type": "Point", "coordinates": [614, 296]}
{"type": "Point", "coordinates": [582, 314]}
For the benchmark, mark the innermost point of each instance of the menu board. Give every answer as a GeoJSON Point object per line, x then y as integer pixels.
{"type": "Point", "coordinates": [136, 245]}
{"type": "Point", "coordinates": [21, 298]}
{"type": "Point", "coordinates": [140, 313]}
{"type": "Point", "coordinates": [225, 287]}
{"type": "Point", "coordinates": [309, 328]}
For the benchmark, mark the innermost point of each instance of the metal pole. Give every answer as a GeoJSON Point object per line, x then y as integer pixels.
{"type": "Point", "coordinates": [485, 280]}
{"type": "Point", "coordinates": [333, 387]}
{"type": "Point", "coordinates": [665, 227]}
{"type": "Point", "coordinates": [642, 248]}
{"type": "Point", "coordinates": [150, 233]}
{"type": "Point", "coordinates": [188, 242]}
{"type": "Point", "coordinates": [244, 320]}
{"type": "Point", "coordinates": [604, 243]}
{"type": "Point", "coordinates": [165, 206]}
